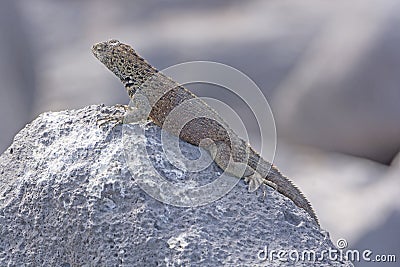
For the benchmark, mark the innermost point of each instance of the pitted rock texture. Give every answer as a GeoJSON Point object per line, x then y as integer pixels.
{"type": "Point", "coordinates": [68, 199]}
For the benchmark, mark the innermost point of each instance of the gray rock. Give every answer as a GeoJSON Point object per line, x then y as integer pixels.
{"type": "Point", "coordinates": [68, 199]}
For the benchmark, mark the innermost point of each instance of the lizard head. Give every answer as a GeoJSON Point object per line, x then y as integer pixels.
{"type": "Point", "coordinates": [124, 62]}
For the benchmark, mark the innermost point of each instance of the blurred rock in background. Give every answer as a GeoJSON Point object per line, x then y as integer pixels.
{"type": "Point", "coordinates": [344, 91]}
{"type": "Point", "coordinates": [17, 73]}
{"type": "Point", "coordinates": [331, 71]}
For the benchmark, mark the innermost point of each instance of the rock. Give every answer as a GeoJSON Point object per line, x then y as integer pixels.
{"type": "Point", "coordinates": [68, 199]}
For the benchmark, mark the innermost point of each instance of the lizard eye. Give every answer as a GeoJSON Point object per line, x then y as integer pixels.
{"type": "Point", "coordinates": [113, 42]}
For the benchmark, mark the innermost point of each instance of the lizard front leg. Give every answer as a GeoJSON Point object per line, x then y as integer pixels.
{"type": "Point", "coordinates": [137, 110]}
{"type": "Point", "coordinates": [117, 117]}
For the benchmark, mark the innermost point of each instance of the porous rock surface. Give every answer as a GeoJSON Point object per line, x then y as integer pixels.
{"type": "Point", "coordinates": [68, 199]}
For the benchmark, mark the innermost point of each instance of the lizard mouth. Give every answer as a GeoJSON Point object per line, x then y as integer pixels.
{"type": "Point", "coordinates": [100, 50]}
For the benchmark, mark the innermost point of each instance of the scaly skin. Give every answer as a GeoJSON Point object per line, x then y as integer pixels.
{"type": "Point", "coordinates": [156, 96]}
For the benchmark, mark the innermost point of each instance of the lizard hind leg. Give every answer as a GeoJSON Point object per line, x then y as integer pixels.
{"type": "Point", "coordinates": [221, 152]}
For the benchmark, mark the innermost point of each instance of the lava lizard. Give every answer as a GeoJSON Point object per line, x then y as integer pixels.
{"type": "Point", "coordinates": [155, 96]}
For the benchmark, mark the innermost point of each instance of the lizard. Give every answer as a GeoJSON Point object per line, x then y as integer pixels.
{"type": "Point", "coordinates": [155, 96]}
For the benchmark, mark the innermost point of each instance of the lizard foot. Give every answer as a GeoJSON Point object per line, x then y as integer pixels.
{"type": "Point", "coordinates": [264, 187]}
{"type": "Point", "coordinates": [117, 117]}
{"type": "Point", "coordinates": [254, 180]}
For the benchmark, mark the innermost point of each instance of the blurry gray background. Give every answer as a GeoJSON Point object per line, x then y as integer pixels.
{"type": "Point", "coordinates": [330, 70]}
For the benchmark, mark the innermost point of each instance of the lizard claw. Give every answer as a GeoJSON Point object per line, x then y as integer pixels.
{"type": "Point", "coordinates": [254, 180]}
{"type": "Point", "coordinates": [117, 116]}
{"type": "Point", "coordinates": [116, 119]}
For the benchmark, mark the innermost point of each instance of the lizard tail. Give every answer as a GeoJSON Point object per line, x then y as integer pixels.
{"type": "Point", "coordinates": [284, 185]}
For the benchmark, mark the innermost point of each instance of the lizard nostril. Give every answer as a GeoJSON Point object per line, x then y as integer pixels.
{"type": "Point", "coordinates": [98, 47]}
